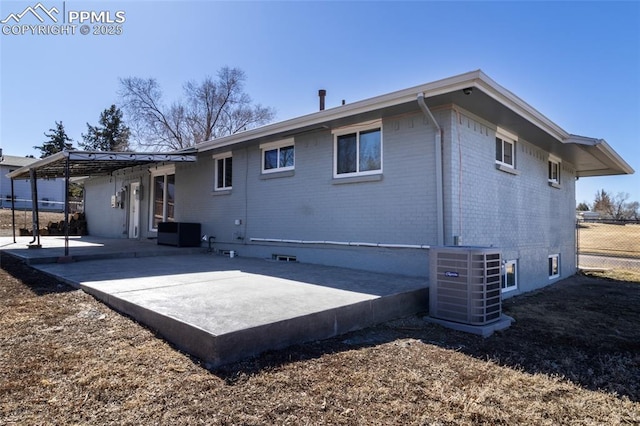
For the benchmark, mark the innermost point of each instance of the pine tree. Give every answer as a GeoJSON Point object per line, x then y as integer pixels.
{"type": "Point", "coordinates": [603, 203]}
{"type": "Point", "coordinates": [58, 141]}
{"type": "Point", "coordinates": [110, 135]}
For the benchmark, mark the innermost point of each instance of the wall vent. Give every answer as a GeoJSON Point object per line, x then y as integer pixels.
{"type": "Point", "coordinates": [465, 284]}
{"type": "Point", "coordinates": [284, 258]}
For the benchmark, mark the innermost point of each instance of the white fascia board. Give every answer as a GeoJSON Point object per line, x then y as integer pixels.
{"type": "Point", "coordinates": [474, 79]}
{"type": "Point", "coordinates": [519, 106]}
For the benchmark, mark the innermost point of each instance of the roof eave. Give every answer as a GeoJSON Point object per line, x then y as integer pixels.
{"type": "Point", "coordinates": [518, 106]}
{"type": "Point", "coordinates": [319, 118]}
{"type": "Point", "coordinates": [476, 79]}
{"type": "Point", "coordinates": [614, 162]}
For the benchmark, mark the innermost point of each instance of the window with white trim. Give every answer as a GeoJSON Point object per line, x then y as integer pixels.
{"type": "Point", "coordinates": [358, 150]}
{"type": "Point", "coordinates": [510, 276]}
{"type": "Point", "coordinates": [554, 170]}
{"type": "Point", "coordinates": [223, 173]}
{"type": "Point", "coordinates": [163, 183]}
{"type": "Point", "coordinates": [278, 156]}
{"type": "Point", "coordinates": [505, 151]}
{"type": "Point", "coordinates": [554, 266]}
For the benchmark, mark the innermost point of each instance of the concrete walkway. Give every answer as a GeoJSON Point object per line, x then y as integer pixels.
{"type": "Point", "coordinates": [224, 309]}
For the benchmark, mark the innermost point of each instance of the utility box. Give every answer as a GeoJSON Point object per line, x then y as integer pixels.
{"type": "Point", "coordinates": [465, 284]}
{"type": "Point", "coordinates": [180, 234]}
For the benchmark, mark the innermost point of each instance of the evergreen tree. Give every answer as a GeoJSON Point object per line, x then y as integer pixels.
{"type": "Point", "coordinates": [58, 141]}
{"type": "Point", "coordinates": [110, 135]}
{"type": "Point", "coordinates": [603, 204]}
{"type": "Point", "coordinates": [583, 207]}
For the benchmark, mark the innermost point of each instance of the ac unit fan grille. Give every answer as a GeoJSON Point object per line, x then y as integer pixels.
{"type": "Point", "coordinates": [465, 285]}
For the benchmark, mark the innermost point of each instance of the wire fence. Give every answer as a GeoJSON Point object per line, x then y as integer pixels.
{"type": "Point", "coordinates": [608, 244]}
{"type": "Point", "coordinates": [51, 214]}
{"type": "Point", "coordinates": [75, 206]}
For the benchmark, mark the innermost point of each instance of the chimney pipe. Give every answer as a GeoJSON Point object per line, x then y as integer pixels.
{"type": "Point", "coordinates": [322, 93]}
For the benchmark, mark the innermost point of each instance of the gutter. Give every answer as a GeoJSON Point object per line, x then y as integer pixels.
{"type": "Point", "coordinates": [439, 180]}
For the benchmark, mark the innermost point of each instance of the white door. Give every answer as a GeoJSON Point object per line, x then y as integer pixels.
{"type": "Point", "coordinates": [134, 210]}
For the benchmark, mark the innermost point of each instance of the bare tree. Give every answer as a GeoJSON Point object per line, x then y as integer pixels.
{"type": "Point", "coordinates": [211, 109]}
{"type": "Point", "coordinates": [618, 204]}
{"type": "Point", "coordinates": [632, 210]}
{"type": "Point", "coordinates": [616, 207]}
{"type": "Point", "coordinates": [603, 203]}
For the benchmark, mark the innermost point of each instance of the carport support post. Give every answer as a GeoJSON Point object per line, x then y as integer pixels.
{"type": "Point", "coordinates": [13, 212]}
{"type": "Point", "coordinates": [34, 209]}
{"type": "Point", "coordinates": [66, 208]}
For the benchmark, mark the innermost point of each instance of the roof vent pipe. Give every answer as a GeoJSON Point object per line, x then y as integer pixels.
{"type": "Point", "coordinates": [322, 93]}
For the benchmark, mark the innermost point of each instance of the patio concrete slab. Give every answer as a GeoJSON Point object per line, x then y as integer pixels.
{"type": "Point", "coordinates": [87, 248]}
{"type": "Point", "coordinates": [223, 309]}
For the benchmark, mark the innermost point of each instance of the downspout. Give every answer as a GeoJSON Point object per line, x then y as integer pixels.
{"type": "Point", "coordinates": [439, 184]}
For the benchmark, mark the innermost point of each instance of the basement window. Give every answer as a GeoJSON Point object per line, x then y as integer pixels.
{"type": "Point", "coordinates": [509, 277]}
{"type": "Point", "coordinates": [284, 258]}
{"type": "Point", "coordinates": [554, 266]}
{"type": "Point", "coordinates": [278, 156]}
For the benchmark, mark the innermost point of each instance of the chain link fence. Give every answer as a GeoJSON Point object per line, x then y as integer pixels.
{"type": "Point", "coordinates": [608, 244]}
{"type": "Point", "coordinates": [44, 205]}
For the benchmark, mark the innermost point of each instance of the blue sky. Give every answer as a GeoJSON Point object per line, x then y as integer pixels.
{"type": "Point", "coordinates": [578, 63]}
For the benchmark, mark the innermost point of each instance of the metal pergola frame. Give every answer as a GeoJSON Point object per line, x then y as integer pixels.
{"type": "Point", "coordinates": [68, 164]}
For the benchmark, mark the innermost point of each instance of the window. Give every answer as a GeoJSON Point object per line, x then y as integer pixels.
{"type": "Point", "coordinates": [358, 151]}
{"type": "Point", "coordinates": [223, 171]}
{"type": "Point", "coordinates": [162, 198]}
{"type": "Point", "coordinates": [554, 266]}
{"type": "Point", "coordinates": [505, 152]}
{"type": "Point", "coordinates": [510, 276]}
{"type": "Point", "coordinates": [505, 148]}
{"type": "Point", "coordinates": [278, 157]}
{"type": "Point", "coordinates": [554, 171]}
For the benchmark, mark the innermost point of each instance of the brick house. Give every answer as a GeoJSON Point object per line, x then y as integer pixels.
{"type": "Point", "coordinates": [373, 184]}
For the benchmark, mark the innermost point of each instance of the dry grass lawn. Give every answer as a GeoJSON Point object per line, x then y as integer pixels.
{"type": "Point", "coordinates": [613, 240]}
{"type": "Point", "coordinates": [573, 357]}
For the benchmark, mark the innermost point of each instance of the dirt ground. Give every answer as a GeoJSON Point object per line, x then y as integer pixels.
{"type": "Point", "coordinates": [24, 220]}
{"type": "Point", "coordinates": [572, 357]}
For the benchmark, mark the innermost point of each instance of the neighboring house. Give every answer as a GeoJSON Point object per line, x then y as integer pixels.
{"type": "Point", "coordinates": [588, 215]}
{"type": "Point", "coordinates": [373, 184]}
{"type": "Point", "coordinates": [50, 191]}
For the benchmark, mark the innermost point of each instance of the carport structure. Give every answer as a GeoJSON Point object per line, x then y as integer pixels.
{"type": "Point", "coordinates": [70, 164]}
